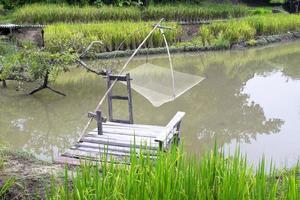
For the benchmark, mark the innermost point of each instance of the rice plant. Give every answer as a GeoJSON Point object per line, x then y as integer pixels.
{"type": "Point", "coordinates": [249, 27]}
{"type": "Point", "coordinates": [76, 37]}
{"type": "Point", "coordinates": [185, 12]}
{"type": "Point", "coordinates": [50, 13]}
{"type": "Point", "coordinates": [175, 176]}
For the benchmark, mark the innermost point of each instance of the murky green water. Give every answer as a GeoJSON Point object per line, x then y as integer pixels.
{"type": "Point", "coordinates": [249, 97]}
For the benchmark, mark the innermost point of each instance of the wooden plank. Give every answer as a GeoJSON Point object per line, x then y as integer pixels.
{"type": "Point", "coordinates": [67, 160]}
{"type": "Point", "coordinates": [131, 132]}
{"type": "Point", "coordinates": [116, 143]}
{"type": "Point", "coordinates": [92, 156]}
{"type": "Point", "coordinates": [118, 97]}
{"type": "Point", "coordinates": [121, 121]}
{"type": "Point", "coordinates": [133, 126]}
{"type": "Point", "coordinates": [115, 148]}
{"type": "Point", "coordinates": [170, 127]}
{"type": "Point", "coordinates": [125, 138]}
{"type": "Point", "coordinates": [119, 78]}
{"type": "Point", "coordinates": [151, 130]}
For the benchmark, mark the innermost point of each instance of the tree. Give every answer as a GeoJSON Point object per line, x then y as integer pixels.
{"type": "Point", "coordinates": [30, 64]}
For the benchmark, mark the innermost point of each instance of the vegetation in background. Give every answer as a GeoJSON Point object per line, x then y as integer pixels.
{"type": "Point", "coordinates": [247, 28]}
{"type": "Point", "coordinates": [174, 176]}
{"type": "Point", "coordinates": [49, 13]}
{"type": "Point", "coordinates": [76, 37]}
{"type": "Point", "coordinates": [185, 12]}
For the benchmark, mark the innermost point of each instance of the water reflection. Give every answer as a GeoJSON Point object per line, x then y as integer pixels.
{"type": "Point", "coordinates": [248, 96]}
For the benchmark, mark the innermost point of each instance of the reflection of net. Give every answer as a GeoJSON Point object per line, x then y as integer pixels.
{"type": "Point", "coordinates": [155, 83]}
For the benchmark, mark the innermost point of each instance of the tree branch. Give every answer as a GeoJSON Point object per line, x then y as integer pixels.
{"type": "Point", "coordinates": [102, 72]}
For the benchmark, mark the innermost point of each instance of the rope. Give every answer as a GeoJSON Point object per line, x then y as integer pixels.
{"type": "Point", "coordinates": [170, 61]}
{"type": "Point", "coordinates": [120, 73]}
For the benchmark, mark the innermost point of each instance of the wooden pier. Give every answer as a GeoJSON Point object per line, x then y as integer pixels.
{"type": "Point", "coordinates": [117, 139]}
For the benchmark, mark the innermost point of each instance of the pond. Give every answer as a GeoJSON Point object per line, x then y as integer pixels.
{"type": "Point", "coordinates": [249, 97]}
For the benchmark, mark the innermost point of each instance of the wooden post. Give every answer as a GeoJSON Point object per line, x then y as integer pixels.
{"type": "Point", "coordinates": [178, 133]}
{"type": "Point", "coordinates": [129, 99]}
{"type": "Point", "coordinates": [99, 122]}
{"type": "Point", "coordinates": [109, 99]}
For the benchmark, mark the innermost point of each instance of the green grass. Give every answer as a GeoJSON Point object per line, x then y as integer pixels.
{"type": "Point", "coordinates": [76, 37]}
{"type": "Point", "coordinates": [248, 28]}
{"type": "Point", "coordinates": [50, 13]}
{"type": "Point", "coordinates": [175, 176]}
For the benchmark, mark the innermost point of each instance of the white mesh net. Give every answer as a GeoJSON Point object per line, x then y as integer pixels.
{"type": "Point", "coordinates": [155, 83]}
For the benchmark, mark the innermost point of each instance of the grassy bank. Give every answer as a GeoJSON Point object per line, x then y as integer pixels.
{"type": "Point", "coordinates": [174, 176]}
{"type": "Point", "coordinates": [22, 176]}
{"type": "Point", "coordinates": [76, 37]}
{"type": "Point", "coordinates": [246, 29]}
{"type": "Point", "coordinates": [49, 13]}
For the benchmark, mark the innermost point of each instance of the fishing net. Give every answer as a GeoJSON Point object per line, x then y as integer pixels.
{"type": "Point", "coordinates": [155, 83]}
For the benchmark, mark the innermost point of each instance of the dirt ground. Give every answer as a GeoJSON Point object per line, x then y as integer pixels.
{"type": "Point", "coordinates": [32, 176]}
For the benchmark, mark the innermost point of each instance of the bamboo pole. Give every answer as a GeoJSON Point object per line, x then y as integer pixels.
{"type": "Point", "coordinates": [120, 73]}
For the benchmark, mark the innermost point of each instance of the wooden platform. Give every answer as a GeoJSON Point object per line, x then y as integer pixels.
{"type": "Point", "coordinates": [119, 140]}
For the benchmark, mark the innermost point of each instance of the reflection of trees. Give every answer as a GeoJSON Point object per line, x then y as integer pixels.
{"type": "Point", "coordinates": [44, 122]}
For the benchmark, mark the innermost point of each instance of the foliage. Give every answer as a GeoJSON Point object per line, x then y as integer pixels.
{"type": "Point", "coordinates": [174, 176]}
{"type": "Point", "coordinates": [30, 64]}
{"type": "Point", "coordinates": [76, 37]}
{"type": "Point", "coordinates": [49, 13]}
{"type": "Point", "coordinates": [247, 28]}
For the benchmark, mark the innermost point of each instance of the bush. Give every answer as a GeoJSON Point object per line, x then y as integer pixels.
{"type": "Point", "coordinates": [76, 37]}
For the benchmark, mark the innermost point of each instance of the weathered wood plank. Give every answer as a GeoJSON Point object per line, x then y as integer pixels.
{"type": "Point", "coordinates": [115, 148]}
{"type": "Point", "coordinates": [101, 153]}
{"type": "Point", "coordinates": [170, 127]}
{"type": "Point", "coordinates": [118, 97]}
{"type": "Point", "coordinates": [128, 132]}
{"type": "Point", "coordinates": [120, 144]}
{"type": "Point", "coordinates": [126, 138]}
{"type": "Point", "coordinates": [67, 160]}
{"type": "Point", "coordinates": [134, 126]}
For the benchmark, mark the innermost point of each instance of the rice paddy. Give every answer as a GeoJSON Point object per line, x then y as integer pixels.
{"type": "Point", "coordinates": [248, 28]}
{"type": "Point", "coordinates": [175, 176]}
{"type": "Point", "coordinates": [76, 37]}
{"type": "Point", "coordinates": [50, 13]}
